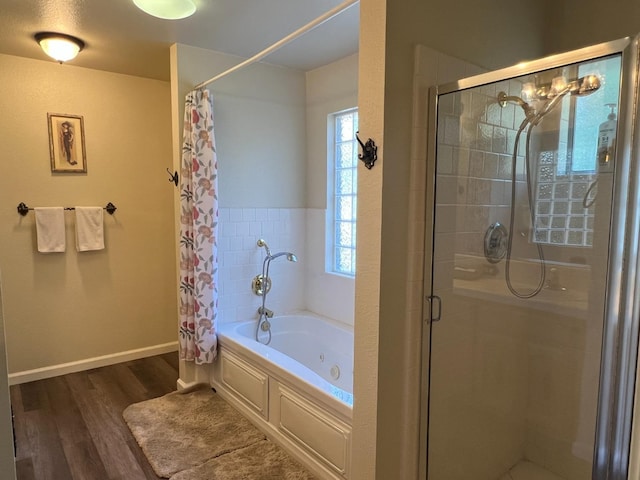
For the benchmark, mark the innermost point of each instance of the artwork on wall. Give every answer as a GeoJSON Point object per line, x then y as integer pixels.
{"type": "Point", "coordinates": [66, 143]}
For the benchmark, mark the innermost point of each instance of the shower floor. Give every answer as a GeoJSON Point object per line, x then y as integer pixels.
{"type": "Point", "coordinates": [529, 471]}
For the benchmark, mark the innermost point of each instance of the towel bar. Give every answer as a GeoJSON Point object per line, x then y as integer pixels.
{"type": "Point", "coordinates": [23, 209]}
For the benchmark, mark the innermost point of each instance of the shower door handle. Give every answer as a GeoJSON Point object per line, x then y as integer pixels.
{"type": "Point", "coordinates": [434, 313]}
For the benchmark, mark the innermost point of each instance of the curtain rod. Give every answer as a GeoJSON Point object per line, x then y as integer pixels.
{"type": "Point", "coordinates": [267, 51]}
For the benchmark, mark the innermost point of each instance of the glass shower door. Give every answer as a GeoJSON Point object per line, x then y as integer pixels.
{"type": "Point", "coordinates": [524, 241]}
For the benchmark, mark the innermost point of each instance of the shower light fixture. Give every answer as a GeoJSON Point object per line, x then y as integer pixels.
{"type": "Point", "coordinates": [167, 9]}
{"type": "Point", "coordinates": [59, 46]}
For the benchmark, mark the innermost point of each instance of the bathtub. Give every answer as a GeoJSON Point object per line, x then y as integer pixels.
{"type": "Point", "coordinates": [298, 389]}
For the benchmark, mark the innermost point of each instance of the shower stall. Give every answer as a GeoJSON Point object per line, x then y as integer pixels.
{"type": "Point", "coordinates": [532, 283]}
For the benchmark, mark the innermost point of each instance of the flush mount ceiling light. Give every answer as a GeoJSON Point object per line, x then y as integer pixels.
{"type": "Point", "coordinates": [59, 46]}
{"type": "Point", "coordinates": [167, 9]}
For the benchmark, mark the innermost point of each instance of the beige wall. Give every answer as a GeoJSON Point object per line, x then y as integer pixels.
{"type": "Point", "coordinates": [385, 408]}
{"type": "Point", "coordinates": [575, 24]}
{"type": "Point", "coordinates": [259, 115]}
{"type": "Point", "coordinates": [69, 307]}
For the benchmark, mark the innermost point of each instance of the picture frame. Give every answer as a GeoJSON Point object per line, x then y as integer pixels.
{"type": "Point", "coordinates": [66, 143]}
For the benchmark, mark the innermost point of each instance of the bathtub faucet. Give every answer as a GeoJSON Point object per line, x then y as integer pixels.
{"type": "Point", "coordinates": [261, 285]}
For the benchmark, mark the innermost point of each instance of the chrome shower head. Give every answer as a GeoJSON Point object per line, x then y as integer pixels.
{"type": "Point", "coordinates": [290, 256]}
{"type": "Point", "coordinates": [588, 85]}
{"type": "Point", "coordinates": [262, 243]}
{"type": "Point", "coordinates": [550, 95]}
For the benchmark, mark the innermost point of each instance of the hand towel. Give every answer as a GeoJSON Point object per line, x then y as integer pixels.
{"type": "Point", "coordinates": [50, 229]}
{"type": "Point", "coordinates": [89, 228]}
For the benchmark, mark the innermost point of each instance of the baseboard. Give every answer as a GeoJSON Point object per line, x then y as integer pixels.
{"type": "Point", "coordinates": [89, 363]}
{"type": "Point", "coordinates": [185, 386]}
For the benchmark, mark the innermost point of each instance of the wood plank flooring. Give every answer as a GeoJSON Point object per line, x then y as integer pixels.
{"type": "Point", "coordinates": [71, 427]}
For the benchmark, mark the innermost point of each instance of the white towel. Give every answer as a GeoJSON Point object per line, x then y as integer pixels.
{"type": "Point", "coordinates": [89, 228]}
{"type": "Point", "coordinates": [50, 229]}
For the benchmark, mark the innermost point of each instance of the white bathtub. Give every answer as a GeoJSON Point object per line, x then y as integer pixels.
{"type": "Point", "coordinates": [298, 388]}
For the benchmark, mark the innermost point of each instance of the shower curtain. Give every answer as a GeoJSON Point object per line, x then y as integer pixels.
{"type": "Point", "coordinates": [198, 232]}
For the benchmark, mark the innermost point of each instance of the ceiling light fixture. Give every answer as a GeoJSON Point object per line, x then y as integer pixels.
{"type": "Point", "coordinates": [167, 9]}
{"type": "Point", "coordinates": [59, 46]}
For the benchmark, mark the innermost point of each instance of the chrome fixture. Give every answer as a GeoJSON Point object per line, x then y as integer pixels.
{"type": "Point", "coordinates": [495, 242]}
{"type": "Point", "coordinates": [261, 285]}
{"type": "Point", "coordinates": [543, 99]}
{"type": "Point", "coordinates": [59, 46]}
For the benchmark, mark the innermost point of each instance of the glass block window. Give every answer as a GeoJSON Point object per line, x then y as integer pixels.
{"type": "Point", "coordinates": [345, 181]}
{"type": "Point", "coordinates": [564, 204]}
{"type": "Point", "coordinates": [566, 178]}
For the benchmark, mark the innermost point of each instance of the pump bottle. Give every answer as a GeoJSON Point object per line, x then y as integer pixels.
{"type": "Point", "coordinates": [607, 141]}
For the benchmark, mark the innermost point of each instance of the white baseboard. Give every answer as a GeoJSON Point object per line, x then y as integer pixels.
{"type": "Point", "coordinates": [89, 363]}
{"type": "Point", "coordinates": [182, 385]}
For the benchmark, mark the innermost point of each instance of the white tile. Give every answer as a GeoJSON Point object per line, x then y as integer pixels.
{"type": "Point", "coordinates": [235, 214]}
{"type": "Point", "coordinates": [223, 214]}
{"type": "Point", "coordinates": [248, 214]}
{"type": "Point", "coordinates": [242, 229]}
{"type": "Point", "coordinates": [274, 214]}
{"type": "Point", "coordinates": [450, 68]}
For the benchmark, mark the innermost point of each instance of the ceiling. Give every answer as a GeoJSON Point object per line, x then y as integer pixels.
{"type": "Point", "coordinates": [121, 38]}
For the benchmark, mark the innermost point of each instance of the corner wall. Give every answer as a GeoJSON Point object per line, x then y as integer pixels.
{"type": "Point", "coordinates": [69, 307]}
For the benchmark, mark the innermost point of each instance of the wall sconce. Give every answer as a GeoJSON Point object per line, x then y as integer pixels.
{"type": "Point", "coordinates": [59, 46]}
{"type": "Point", "coordinates": [167, 9]}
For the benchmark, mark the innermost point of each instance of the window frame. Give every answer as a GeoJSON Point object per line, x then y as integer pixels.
{"type": "Point", "coordinates": [331, 246]}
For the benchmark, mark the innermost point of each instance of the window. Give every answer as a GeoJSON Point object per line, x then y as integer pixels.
{"type": "Point", "coordinates": [567, 176]}
{"type": "Point", "coordinates": [342, 192]}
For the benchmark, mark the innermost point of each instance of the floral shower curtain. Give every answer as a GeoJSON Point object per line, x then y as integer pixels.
{"type": "Point", "coordinates": [198, 232]}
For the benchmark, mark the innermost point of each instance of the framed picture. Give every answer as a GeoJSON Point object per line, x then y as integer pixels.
{"type": "Point", "coordinates": [66, 143]}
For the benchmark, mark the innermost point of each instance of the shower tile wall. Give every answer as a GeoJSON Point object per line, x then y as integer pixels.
{"type": "Point", "coordinates": [240, 260]}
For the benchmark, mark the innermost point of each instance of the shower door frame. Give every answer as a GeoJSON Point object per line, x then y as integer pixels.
{"type": "Point", "coordinates": [612, 455]}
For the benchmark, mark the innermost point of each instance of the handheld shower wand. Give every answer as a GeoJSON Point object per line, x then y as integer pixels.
{"type": "Point", "coordinates": [551, 95]}
{"type": "Point", "coordinates": [264, 281]}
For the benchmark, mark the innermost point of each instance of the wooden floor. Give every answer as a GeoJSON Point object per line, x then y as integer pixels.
{"type": "Point", "coordinates": [71, 427]}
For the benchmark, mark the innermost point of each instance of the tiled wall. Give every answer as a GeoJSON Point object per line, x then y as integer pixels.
{"type": "Point", "coordinates": [240, 259]}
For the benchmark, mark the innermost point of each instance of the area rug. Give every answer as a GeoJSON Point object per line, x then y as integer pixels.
{"type": "Point", "coordinates": [183, 430]}
{"type": "Point", "coordinates": [261, 461]}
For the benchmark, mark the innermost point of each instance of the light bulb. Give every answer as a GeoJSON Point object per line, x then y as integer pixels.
{"type": "Point", "coordinates": [58, 46]}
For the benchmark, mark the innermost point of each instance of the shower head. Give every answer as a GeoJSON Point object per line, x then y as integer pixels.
{"type": "Point", "coordinates": [290, 256]}
{"type": "Point", "coordinates": [586, 85]}
{"type": "Point", "coordinates": [262, 243]}
{"type": "Point", "coordinates": [550, 94]}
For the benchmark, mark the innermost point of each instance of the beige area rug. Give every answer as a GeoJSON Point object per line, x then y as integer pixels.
{"type": "Point", "coordinates": [196, 435]}
{"type": "Point", "coordinates": [260, 461]}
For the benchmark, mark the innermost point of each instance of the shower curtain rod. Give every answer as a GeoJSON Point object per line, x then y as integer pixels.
{"type": "Point", "coordinates": [281, 43]}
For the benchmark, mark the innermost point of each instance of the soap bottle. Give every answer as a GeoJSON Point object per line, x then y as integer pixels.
{"type": "Point", "coordinates": [607, 141]}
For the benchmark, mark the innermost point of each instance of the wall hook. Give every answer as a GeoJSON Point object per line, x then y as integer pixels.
{"type": "Point", "coordinates": [173, 177]}
{"type": "Point", "coordinates": [369, 152]}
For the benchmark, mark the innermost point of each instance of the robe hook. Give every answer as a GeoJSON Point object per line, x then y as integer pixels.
{"type": "Point", "coordinates": [369, 152]}
{"type": "Point", "coordinates": [173, 177]}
